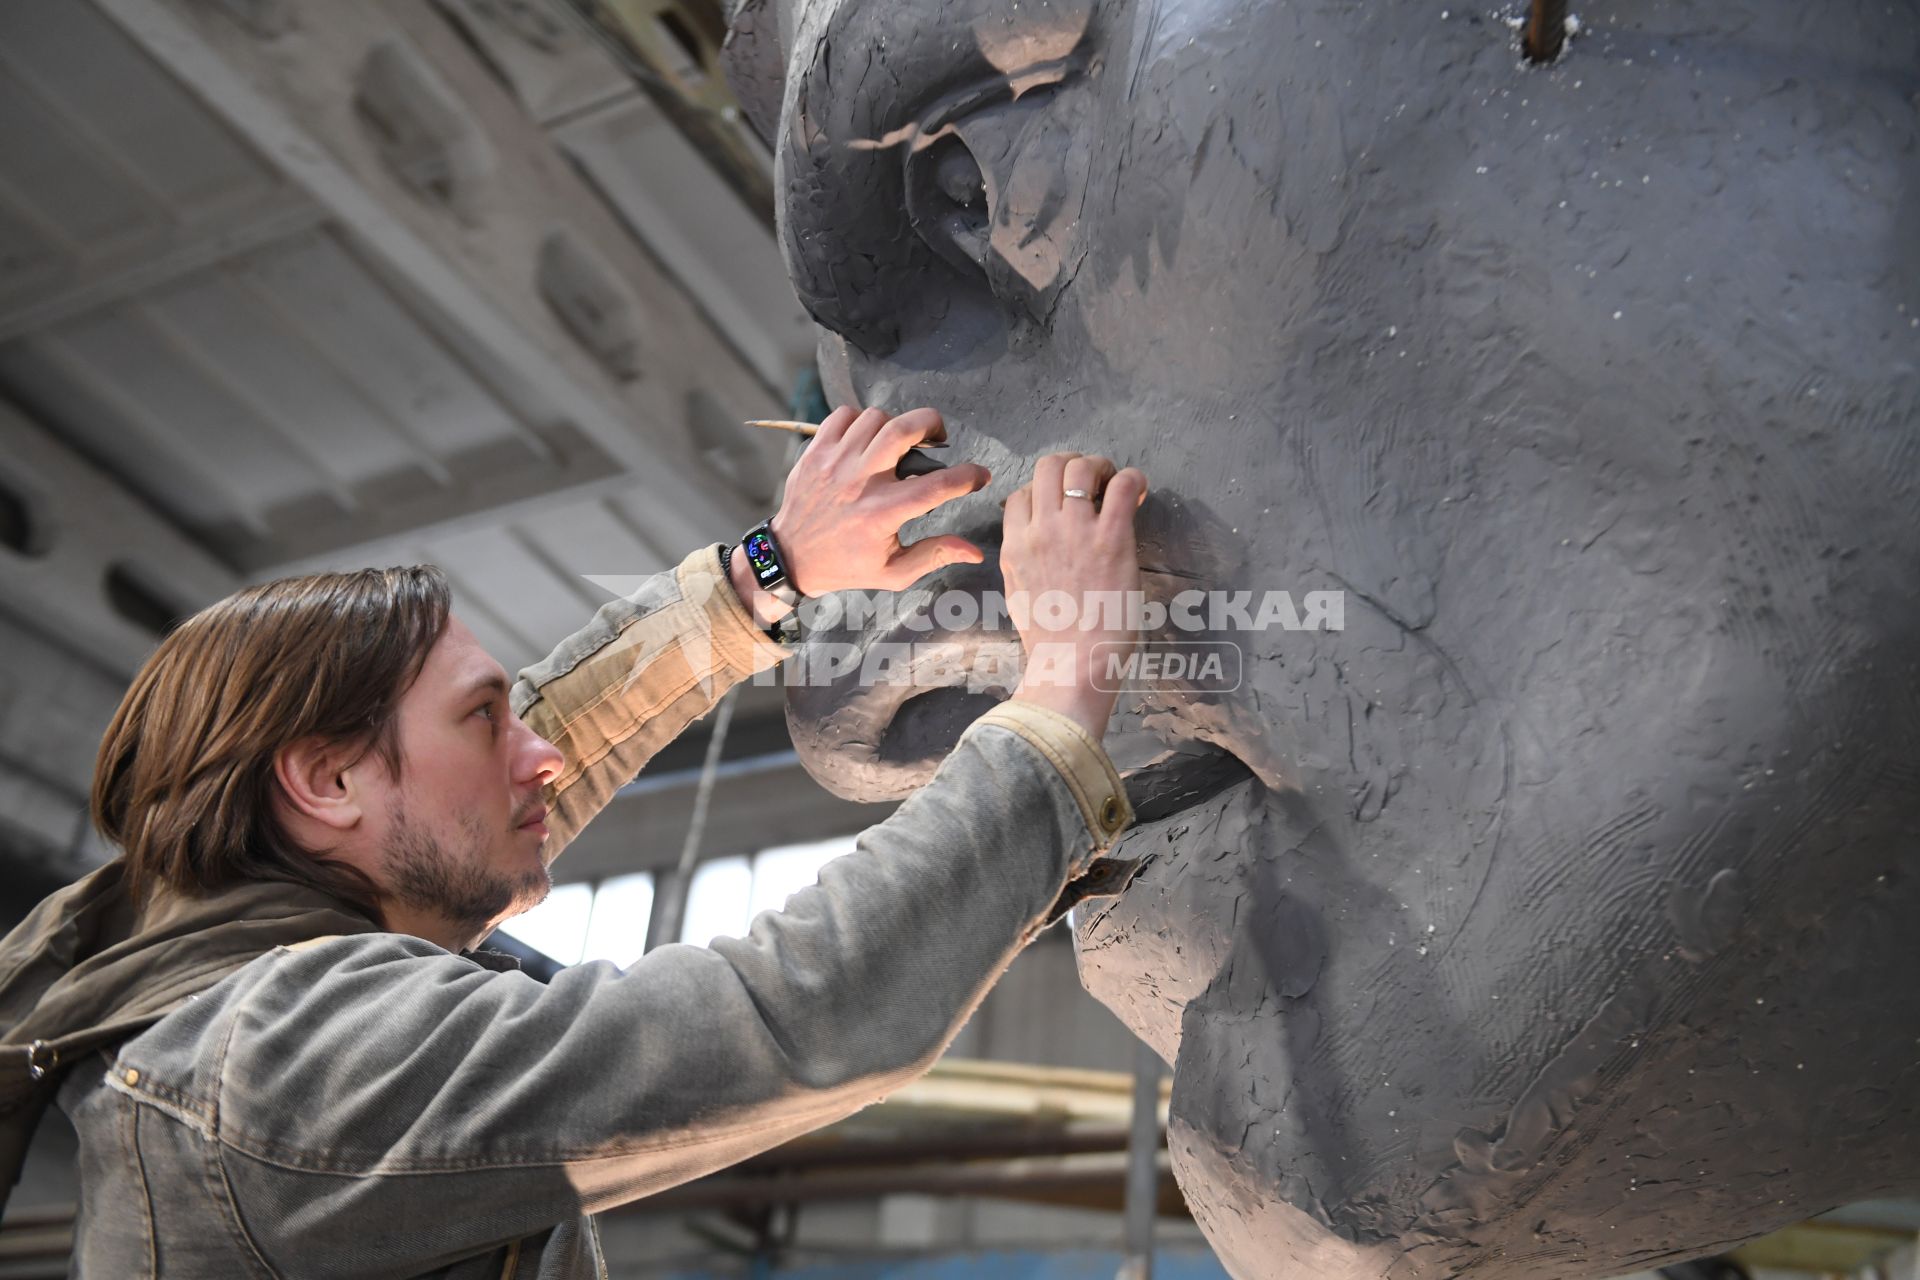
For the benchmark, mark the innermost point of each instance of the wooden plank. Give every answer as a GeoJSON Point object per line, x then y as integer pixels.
{"type": "Point", "coordinates": [1823, 1247]}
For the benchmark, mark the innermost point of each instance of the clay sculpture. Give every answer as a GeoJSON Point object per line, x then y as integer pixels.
{"type": "Point", "coordinates": [1552, 916]}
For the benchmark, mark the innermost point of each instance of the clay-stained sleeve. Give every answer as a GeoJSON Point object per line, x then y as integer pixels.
{"type": "Point", "coordinates": [622, 687]}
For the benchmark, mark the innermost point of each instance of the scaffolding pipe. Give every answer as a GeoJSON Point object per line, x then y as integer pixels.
{"type": "Point", "coordinates": [671, 915]}
{"type": "Point", "coordinates": [1143, 1165]}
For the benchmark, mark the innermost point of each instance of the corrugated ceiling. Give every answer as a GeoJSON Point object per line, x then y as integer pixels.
{"type": "Point", "coordinates": [196, 325]}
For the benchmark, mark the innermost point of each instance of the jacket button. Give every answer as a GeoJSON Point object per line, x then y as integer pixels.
{"type": "Point", "coordinates": [1110, 814]}
{"type": "Point", "coordinates": [133, 1077]}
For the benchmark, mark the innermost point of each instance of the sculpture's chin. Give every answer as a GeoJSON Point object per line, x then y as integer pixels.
{"type": "Point", "coordinates": [1258, 1234]}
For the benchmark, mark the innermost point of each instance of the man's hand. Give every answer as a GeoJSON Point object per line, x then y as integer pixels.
{"type": "Point", "coordinates": [839, 522]}
{"type": "Point", "coordinates": [1084, 550]}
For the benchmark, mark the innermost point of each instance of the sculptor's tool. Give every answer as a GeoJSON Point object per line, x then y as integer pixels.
{"type": "Point", "coordinates": [915, 463]}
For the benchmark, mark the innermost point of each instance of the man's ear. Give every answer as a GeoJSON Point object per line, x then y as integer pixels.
{"type": "Point", "coordinates": [317, 782]}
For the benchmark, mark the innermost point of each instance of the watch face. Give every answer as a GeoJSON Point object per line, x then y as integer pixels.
{"type": "Point", "coordinates": [762, 558]}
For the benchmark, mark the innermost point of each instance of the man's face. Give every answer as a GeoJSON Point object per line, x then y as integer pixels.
{"type": "Point", "coordinates": [1593, 388]}
{"type": "Point", "coordinates": [460, 832]}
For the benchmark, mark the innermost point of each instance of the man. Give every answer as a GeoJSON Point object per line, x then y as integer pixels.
{"type": "Point", "coordinates": [263, 1020]}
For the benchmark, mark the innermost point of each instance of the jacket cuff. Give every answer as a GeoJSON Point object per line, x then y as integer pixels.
{"type": "Point", "coordinates": [737, 639]}
{"type": "Point", "coordinates": [1081, 760]}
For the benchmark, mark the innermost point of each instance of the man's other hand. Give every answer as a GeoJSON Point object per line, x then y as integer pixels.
{"type": "Point", "coordinates": [839, 521]}
{"type": "Point", "coordinates": [1072, 570]}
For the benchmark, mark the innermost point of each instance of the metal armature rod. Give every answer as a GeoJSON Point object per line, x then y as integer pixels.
{"type": "Point", "coordinates": [1546, 30]}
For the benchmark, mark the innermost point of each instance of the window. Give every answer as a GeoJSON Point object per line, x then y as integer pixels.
{"type": "Point", "coordinates": [728, 893]}
{"type": "Point", "coordinates": [617, 930]}
{"type": "Point", "coordinates": [558, 926]}
{"type": "Point", "coordinates": [717, 900]}
{"type": "Point", "coordinates": [780, 873]}
{"type": "Point", "coordinates": [609, 921]}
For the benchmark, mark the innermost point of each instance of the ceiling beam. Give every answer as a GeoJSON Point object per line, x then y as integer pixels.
{"type": "Point", "coordinates": [146, 267]}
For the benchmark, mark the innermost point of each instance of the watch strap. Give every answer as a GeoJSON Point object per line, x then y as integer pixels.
{"type": "Point", "coordinates": [782, 630]}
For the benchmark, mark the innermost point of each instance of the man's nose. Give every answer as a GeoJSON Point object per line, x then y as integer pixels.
{"type": "Point", "coordinates": [536, 759]}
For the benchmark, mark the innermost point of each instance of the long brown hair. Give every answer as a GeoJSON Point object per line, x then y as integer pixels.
{"type": "Point", "coordinates": [184, 781]}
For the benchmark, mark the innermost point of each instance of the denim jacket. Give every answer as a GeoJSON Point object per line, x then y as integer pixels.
{"type": "Point", "coordinates": [372, 1105]}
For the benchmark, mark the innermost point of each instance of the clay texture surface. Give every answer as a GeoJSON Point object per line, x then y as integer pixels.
{"type": "Point", "coordinates": [1556, 916]}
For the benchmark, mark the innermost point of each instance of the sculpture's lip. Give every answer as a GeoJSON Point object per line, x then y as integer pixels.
{"type": "Point", "coordinates": [879, 740]}
{"type": "Point", "coordinates": [1175, 774]}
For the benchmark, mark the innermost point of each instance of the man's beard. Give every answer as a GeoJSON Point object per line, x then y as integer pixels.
{"type": "Point", "coordinates": [457, 885]}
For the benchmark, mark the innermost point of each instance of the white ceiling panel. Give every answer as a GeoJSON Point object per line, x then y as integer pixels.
{"type": "Point", "coordinates": [324, 293]}
{"type": "Point", "coordinates": [497, 570]}
{"type": "Point", "coordinates": [497, 635]}
{"type": "Point", "coordinates": [656, 523]}
{"type": "Point", "coordinates": [142, 444]}
{"type": "Point", "coordinates": [591, 539]}
{"type": "Point", "coordinates": [553, 67]}
{"type": "Point", "coordinates": [73, 192]}
{"type": "Point", "coordinates": [291, 395]}
{"type": "Point", "coordinates": [168, 403]}
{"type": "Point", "coordinates": [126, 109]}
{"type": "Point", "coordinates": [284, 400]}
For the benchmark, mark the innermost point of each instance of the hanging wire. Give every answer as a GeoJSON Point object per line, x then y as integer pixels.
{"type": "Point", "coordinates": [673, 918]}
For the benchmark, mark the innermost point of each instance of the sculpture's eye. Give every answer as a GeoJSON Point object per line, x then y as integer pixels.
{"type": "Point", "coordinates": [989, 171]}
{"type": "Point", "coordinates": [947, 203]}
{"type": "Point", "coordinates": [958, 174]}
{"type": "Point", "coordinates": [995, 189]}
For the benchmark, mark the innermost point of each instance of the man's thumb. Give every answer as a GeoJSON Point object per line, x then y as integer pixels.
{"type": "Point", "coordinates": [923, 557]}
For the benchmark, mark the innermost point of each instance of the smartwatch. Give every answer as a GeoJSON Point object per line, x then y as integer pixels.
{"type": "Point", "coordinates": [764, 562]}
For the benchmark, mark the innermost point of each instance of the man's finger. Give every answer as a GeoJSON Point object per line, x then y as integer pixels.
{"type": "Point", "coordinates": [1047, 482]}
{"type": "Point", "coordinates": [1018, 513]}
{"type": "Point", "coordinates": [1125, 492]}
{"type": "Point", "coordinates": [834, 426]}
{"type": "Point", "coordinates": [861, 433]}
{"type": "Point", "coordinates": [917, 495]}
{"type": "Point", "coordinates": [915, 562]}
{"type": "Point", "coordinates": [1088, 475]}
{"type": "Point", "coordinates": [896, 437]}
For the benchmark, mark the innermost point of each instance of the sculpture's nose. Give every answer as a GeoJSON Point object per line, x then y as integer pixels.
{"type": "Point", "coordinates": [878, 697]}
{"type": "Point", "coordinates": [882, 695]}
